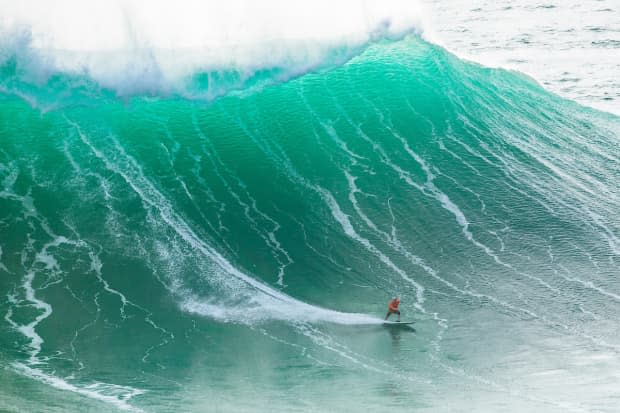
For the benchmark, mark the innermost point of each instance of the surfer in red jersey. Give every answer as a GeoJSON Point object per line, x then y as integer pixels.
{"type": "Point", "coordinates": [393, 308]}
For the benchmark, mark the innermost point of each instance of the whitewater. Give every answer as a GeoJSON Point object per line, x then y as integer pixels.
{"type": "Point", "coordinates": [207, 206]}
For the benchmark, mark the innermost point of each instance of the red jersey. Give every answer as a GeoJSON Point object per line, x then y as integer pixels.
{"type": "Point", "coordinates": [393, 305]}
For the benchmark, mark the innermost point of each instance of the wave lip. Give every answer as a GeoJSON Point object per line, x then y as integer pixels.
{"type": "Point", "coordinates": [131, 47]}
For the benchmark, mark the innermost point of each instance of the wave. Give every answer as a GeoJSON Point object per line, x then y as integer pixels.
{"type": "Point", "coordinates": [291, 212]}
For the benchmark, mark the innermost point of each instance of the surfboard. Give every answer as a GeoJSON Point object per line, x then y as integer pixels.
{"type": "Point", "coordinates": [398, 323]}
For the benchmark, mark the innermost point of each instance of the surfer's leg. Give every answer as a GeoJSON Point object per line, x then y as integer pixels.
{"type": "Point", "coordinates": [398, 312]}
{"type": "Point", "coordinates": [387, 315]}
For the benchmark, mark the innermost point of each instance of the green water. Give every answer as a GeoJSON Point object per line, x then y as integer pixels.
{"type": "Point", "coordinates": [163, 254]}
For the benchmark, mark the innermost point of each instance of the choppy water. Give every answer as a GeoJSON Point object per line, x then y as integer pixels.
{"type": "Point", "coordinates": [164, 254]}
{"type": "Point", "coordinates": [571, 47]}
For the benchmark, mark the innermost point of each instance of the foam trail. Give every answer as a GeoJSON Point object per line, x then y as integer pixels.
{"type": "Point", "coordinates": [92, 391]}
{"type": "Point", "coordinates": [2, 266]}
{"type": "Point", "coordinates": [282, 306]}
{"type": "Point", "coordinates": [29, 330]}
{"type": "Point", "coordinates": [588, 284]}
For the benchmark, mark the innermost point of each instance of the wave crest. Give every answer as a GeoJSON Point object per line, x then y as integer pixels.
{"type": "Point", "coordinates": [192, 48]}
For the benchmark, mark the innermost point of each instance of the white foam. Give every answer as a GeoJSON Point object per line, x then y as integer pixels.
{"type": "Point", "coordinates": [2, 266]}
{"type": "Point", "coordinates": [28, 330]}
{"type": "Point", "coordinates": [260, 308]}
{"type": "Point", "coordinates": [139, 45]}
{"type": "Point", "coordinates": [94, 391]}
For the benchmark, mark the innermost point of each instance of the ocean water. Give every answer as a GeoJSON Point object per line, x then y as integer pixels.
{"type": "Point", "coordinates": [571, 47]}
{"type": "Point", "coordinates": [226, 238]}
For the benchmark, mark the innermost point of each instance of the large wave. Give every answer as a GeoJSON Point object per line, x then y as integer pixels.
{"type": "Point", "coordinates": [284, 214]}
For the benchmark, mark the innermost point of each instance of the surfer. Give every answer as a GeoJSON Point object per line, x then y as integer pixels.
{"type": "Point", "coordinates": [393, 308]}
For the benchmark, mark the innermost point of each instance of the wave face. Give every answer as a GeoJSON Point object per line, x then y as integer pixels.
{"type": "Point", "coordinates": [160, 253]}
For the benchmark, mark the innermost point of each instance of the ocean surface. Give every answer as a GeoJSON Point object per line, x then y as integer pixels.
{"type": "Point", "coordinates": [571, 47]}
{"type": "Point", "coordinates": [177, 236]}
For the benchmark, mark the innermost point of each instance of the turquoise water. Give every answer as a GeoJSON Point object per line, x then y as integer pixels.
{"type": "Point", "coordinates": [166, 254]}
